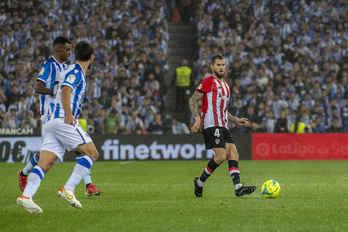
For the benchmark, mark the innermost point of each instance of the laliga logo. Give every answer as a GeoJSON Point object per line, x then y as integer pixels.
{"type": "Point", "coordinates": [263, 149]}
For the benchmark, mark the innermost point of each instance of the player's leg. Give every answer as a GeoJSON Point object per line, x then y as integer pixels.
{"type": "Point", "coordinates": [23, 174]}
{"type": "Point", "coordinates": [214, 163]}
{"type": "Point", "coordinates": [73, 137]}
{"type": "Point", "coordinates": [83, 165]}
{"type": "Point", "coordinates": [220, 157]}
{"type": "Point", "coordinates": [90, 188]}
{"type": "Point", "coordinates": [38, 173]}
{"type": "Point", "coordinates": [51, 148]}
{"type": "Point", "coordinates": [34, 180]}
{"type": "Point", "coordinates": [233, 158]}
{"type": "Point", "coordinates": [81, 169]}
{"type": "Point", "coordinates": [213, 140]}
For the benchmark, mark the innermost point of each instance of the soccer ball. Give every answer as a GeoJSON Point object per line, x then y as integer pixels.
{"type": "Point", "coordinates": [270, 188]}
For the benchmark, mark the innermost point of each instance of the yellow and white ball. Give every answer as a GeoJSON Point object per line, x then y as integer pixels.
{"type": "Point", "coordinates": [270, 189]}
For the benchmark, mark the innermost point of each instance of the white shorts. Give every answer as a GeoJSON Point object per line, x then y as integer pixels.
{"type": "Point", "coordinates": [58, 136]}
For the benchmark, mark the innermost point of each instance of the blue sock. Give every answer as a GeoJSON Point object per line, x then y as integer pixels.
{"type": "Point", "coordinates": [34, 181]}
{"type": "Point", "coordinates": [80, 171]}
{"type": "Point", "coordinates": [31, 164]}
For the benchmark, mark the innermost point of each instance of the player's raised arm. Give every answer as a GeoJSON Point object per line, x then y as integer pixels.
{"type": "Point", "coordinates": [239, 121]}
{"type": "Point", "coordinates": [193, 103]}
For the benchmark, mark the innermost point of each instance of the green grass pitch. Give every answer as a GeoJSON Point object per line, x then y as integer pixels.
{"type": "Point", "coordinates": [158, 196]}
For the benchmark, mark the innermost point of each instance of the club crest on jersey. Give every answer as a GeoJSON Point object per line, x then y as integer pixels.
{"type": "Point", "coordinates": [71, 78]}
{"type": "Point", "coordinates": [217, 141]}
{"type": "Point", "coordinates": [42, 71]}
{"type": "Point", "coordinates": [223, 97]}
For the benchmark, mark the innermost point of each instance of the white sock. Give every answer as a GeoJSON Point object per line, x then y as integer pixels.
{"type": "Point", "coordinates": [81, 169]}
{"type": "Point", "coordinates": [34, 181]}
{"type": "Point", "coordinates": [237, 186]}
{"type": "Point", "coordinates": [76, 177]}
{"type": "Point", "coordinates": [200, 183]}
{"type": "Point", "coordinates": [30, 165]}
{"type": "Point", "coordinates": [87, 178]}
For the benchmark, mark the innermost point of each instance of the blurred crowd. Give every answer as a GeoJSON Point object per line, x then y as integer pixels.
{"type": "Point", "coordinates": [126, 81]}
{"type": "Point", "coordinates": [286, 60]}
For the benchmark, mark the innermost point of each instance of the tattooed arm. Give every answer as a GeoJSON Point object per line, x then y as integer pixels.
{"type": "Point", "coordinates": [231, 118]}
{"type": "Point", "coordinates": [239, 121]}
{"type": "Point", "coordinates": [194, 110]}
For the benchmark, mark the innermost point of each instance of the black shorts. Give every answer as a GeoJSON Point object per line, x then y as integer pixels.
{"type": "Point", "coordinates": [217, 137]}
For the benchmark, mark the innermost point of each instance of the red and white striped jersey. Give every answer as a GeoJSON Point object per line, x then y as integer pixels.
{"type": "Point", "coordinates": [215, 102]}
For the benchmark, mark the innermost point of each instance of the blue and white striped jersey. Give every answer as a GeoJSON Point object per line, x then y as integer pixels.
{"type": "Point", "coordinates": [48, 74]}
{"type": "Point", "coordinates": [75, 78]}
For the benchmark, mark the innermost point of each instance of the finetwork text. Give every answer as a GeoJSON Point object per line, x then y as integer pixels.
{"type": "Point", "coordinates": [114, 151]}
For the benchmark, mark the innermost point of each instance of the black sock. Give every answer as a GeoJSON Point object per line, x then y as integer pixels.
{"type": "Point", "coordinates": [22, 174]}
{"type": "Point", "coordinates": [209, 170]}
{"type": "Point", "coordinates": [234, 171]}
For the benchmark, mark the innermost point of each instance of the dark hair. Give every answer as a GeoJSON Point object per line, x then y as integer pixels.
{"type": "Point", "coordinates": [215, 58]}
{"type": "Point", "coordinates": [83, 51]}
{"type": "Point", "coordinates": [61, 40]}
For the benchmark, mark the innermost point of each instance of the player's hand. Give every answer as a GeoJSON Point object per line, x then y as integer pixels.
{"type": "Point", "coordinates": [195, 127]}
{"type": "Point", "coordinates": [242, 121]}
{"type": "Point", "coordinates": [70, 119]}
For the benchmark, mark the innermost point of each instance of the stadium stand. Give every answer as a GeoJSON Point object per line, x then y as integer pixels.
{"type": "Point", "coordinates": [131, 43]}
{"type": "Point", "coordinates": [285, 58]}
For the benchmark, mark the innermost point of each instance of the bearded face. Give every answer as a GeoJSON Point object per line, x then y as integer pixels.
{"type": "Point", "coordinates": [219, 68]}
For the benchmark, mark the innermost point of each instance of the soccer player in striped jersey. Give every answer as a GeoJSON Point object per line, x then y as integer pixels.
{"type": "Point", "coordinates": [61, 131]}
{"type": "Point", "coordinates": [46, 85]}
{"type": "Point", "coordinates": [214, 93]}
